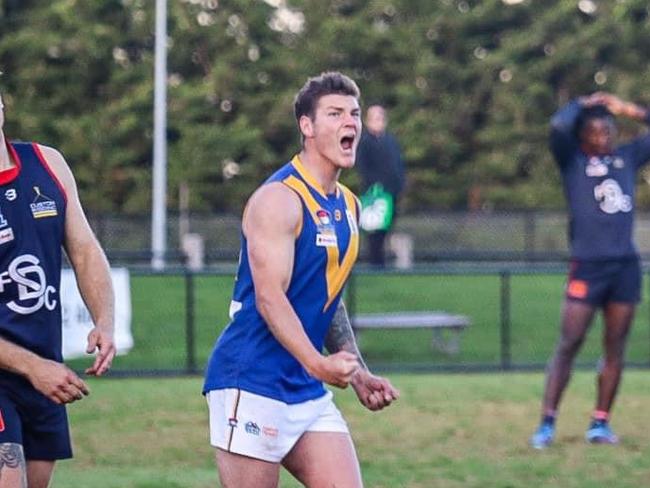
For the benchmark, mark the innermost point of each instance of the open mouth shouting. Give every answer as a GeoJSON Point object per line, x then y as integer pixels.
{"type": "Point", "coordinates": [347, 143]}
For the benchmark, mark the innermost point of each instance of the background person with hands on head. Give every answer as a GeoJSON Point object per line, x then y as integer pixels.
{"type": "Point", "coordinates": [599, 182]}
{"type": "Point", "coordinates": [265, 378]}
{"type": "Point", "coordinates": [39, 213]}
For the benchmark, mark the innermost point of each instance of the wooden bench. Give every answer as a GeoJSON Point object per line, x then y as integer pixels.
{"type": "Point", "coordinates": [446, 327]}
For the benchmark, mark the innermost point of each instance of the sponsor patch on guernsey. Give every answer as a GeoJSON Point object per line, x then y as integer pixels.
{"type": "Point", "coordinates": [578, 289]}
{"type": "Point", "coordinates": [326, 240]}
{"type": "Point", "coordinates": [44, 209]}
{"type": "Point", "coordinates": [6, 235]}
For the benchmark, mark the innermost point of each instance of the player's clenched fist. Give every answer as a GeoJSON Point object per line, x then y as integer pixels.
{"type": "Point", "coordinates": [374, 392]}
{"type": "Point", "coordinates": [336, 369]}
{"type": "Point", "coordinates": [57, 382]}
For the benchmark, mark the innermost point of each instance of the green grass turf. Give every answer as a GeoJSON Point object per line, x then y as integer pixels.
{"type": "Point", "coordinates": [159, 319]}
{"type": "Point", "coordinates": [447, 431]}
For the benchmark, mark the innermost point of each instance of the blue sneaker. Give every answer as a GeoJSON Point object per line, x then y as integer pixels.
{"type": "Point", "coordinates": [543, 437]}
{"type": "Point", "coordinates": [599, 432]}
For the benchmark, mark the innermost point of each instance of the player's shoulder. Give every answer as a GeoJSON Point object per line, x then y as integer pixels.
{"type": "Point", "coordinates": [41, 149]}
{"type": "Point", "coordinates": [273, 201]}
{"type": "Point", "coordinates": [48, 151]}
{"type": "Point", "coordinates": [273, 208]}
{"type": "Point", "coordinates": [272, 194]}
{"type": "Point", "coordinates": [57, 163]}
{"type": "Point", "coordinates": [52, 157]}
{"type": "Point", "coordinates": [282, 173]}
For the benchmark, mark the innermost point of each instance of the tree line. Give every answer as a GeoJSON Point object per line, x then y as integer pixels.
{"type": "Point", "coordinates": [469, 84]}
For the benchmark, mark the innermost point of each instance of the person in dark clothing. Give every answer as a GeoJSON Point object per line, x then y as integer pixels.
{"type": "Point", "coordinates": [41, 215]}
{"type": "Point", "coordinates": [599, 184]}
{"type": "Point", "coordinates": [379, 161]}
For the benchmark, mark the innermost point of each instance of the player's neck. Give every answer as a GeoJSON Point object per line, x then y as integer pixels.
{"type": "Point", "coordinates": [322, 170]}
{"type": "Point", "coordinates": [6, 162]}
{"type": "Point", "coordinates": [590, 152]}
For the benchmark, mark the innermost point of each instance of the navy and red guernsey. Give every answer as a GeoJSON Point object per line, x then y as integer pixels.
{"type": "Point", "coordinates": [600, 190]}
{"type": "Point", "coordinates": [32, 218]}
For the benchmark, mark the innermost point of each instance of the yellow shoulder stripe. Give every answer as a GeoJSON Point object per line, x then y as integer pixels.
{"type": "Point", "coordinates": [335, 274]}
{"type": "Point", "coordinates": [344, 270]}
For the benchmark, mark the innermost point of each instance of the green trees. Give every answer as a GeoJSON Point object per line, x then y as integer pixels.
{"type": "Point", "coordinates": [470, 86]}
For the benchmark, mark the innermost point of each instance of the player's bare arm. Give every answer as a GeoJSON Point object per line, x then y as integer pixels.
{"type": "Point", "coordinates": [54, 380]}
{"type": "Point", "coordinates": [90, 266]}
{"type": "Point", "coordinates": [374, 392]}
{"type": "Point", "coordinates": [271, 219]}
{"type": "Point", "coordinates": [340, 336]}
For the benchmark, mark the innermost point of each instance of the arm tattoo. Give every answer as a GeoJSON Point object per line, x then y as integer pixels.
{"type": "Point", "coordinates": [11, 456]}
{"type": "Point", "coordinates": [340, 336]}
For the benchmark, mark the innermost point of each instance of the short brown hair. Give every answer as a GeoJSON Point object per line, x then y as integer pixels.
{"type": "Point", "coordinates": [328, 83]}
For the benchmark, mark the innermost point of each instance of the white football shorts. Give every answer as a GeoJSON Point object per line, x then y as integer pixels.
{"type": "Point", "coordinates": [264, 428]}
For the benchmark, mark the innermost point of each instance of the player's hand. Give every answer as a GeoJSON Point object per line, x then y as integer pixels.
{"type": "Point", "coordinates": [374, 392]}
{"type": "Point", "coordinates": [613, 103]}
{"type": "Point", "coordinates": [57, 382]}
{"type": "Point", "coordinates": [337, 369]}
{"type": "Point", "coordinates": [101, 340]}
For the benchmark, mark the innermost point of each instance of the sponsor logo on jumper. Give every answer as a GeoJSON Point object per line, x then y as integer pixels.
{"type": "Point", "coordinates": [11, 194]}
{"type": "Point", "coordinates": [232, 422]}
{"type": "Point", "coordinates": [578, 289]}
{"type": "Point", "coordinates": [252, 428]}
{"type": "Point", "coordinates": [33, 291]}
{"type": "Point", "coordinates": [3, 221]}
{"type": "Point", "coordinates": [324, 217]}
{"type": "Point", "coordinates": [43, 206]}
{"type": "Point", "coordinates": [618, 162]}
{"type": "Point", "coordinates": [270, 431]}
{"type": "Point", "coordinates": [326, 234]}
{"type": "Point", "coordinates": [611, 197]}
{"type": "Point", "coordinates": [326, 240]}
{"type": "Point", "coordinates": [596, 167]}
{"type": "Point", "coordinates": [6, 235]}
{"type": "Point", "coordinates": [2, 422]}
{"type": "Point", "coordinates": [324, 222]}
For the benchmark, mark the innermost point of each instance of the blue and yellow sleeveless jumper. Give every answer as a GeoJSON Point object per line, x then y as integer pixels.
{"type": "Point", "coordinates": [247, 355]}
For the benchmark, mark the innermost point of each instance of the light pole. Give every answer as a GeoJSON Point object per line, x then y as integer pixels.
{"type": "Point", "coordinates": [159, 189]}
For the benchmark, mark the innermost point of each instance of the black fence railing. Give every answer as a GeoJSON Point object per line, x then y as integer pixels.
{"type": "Point", "coordinates": [436, 237]}
{"type": "Point", "coordinates": [513, 308]}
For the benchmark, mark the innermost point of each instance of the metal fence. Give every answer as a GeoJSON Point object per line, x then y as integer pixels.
{"type": "Point", "coordinates": [503, 270]}
{"type": "Point", "coordinates": [530, 236]}
{"type": "Point", "coordinates": [514, 310]}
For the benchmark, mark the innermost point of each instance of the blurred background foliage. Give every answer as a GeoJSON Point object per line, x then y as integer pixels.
{"type": "Point", "coordinates": [470, 85]}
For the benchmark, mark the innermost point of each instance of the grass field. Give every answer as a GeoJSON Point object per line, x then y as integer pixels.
{"type": "Point", "coordinates": [159, 319]}
{"type": "Point", "coordinates": [447, 431]}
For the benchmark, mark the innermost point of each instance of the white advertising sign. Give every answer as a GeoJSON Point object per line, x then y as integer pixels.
{"type": "Point", "coordinates": [77, 322]}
